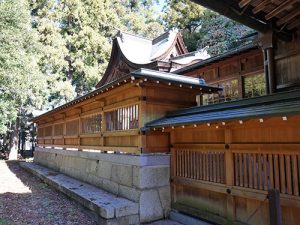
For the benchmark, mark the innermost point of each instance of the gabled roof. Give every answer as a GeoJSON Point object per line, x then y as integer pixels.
{"type": "Point", "coordinates": [140, 50]}
{"type": "Point", "coordinates": [131, 52]}
{"type": "Point", "coordinates": [279, 104]}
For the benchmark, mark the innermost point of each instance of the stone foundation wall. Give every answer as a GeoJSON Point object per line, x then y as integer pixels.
{"type": "Point", "coordinates": [140, 178]}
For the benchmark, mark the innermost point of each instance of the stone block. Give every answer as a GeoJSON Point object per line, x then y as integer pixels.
{"type": "Point", "coordinates": [150, 206]}
{"type": "Point", "coordinates": [91, 166]}
{"type": "Point", "coordinates": [110, 186]}
{"type": "Point", "coordinates": [123, 208]}
{"type": "Point", "coordinates": [165, 199]}
{"type": "Point", "coordinates": [122, 174]}
{"type": "Point", "coordinates": [151, 176]}
{"type": "Point", "coordinates": [129, 193]}
{"type": "Point", "coordinates": [94, 180]}
{"type": "Point", "coordinates": [125, 220]}
{"type": "Point", "coordinates": [104, 170]}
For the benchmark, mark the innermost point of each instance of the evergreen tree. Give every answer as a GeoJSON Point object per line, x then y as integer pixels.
{"type": "Point", "coordinates": [201, 27]}
{"type": "Point", "coordinates": [76, 35]}
{"type": "Point", "coordinates": [22, 84]}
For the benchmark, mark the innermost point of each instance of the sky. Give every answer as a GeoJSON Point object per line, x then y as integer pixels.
{"type": "Point", "coordinates": [161, 4]}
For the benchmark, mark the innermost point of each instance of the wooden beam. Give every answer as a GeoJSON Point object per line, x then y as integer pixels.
{"type": "Point", "coordinates": [274, 207]}
{"type": "Point", "coordinates": [294, 24]}
{"type": "Point", "coordinates": [244, 3]}
{"type": "Point", "coordinates": [260, 6]}
{"type": "Point", "coordinates": [280, 8]}
{"type": "Point", "coordinates": [289, 16]}
{"type": "Point", "coordinates": [233, 12]}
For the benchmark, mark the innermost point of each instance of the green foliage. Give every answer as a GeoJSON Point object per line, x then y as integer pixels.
{"type": "Point", "coordinates": [201, 27]}
{"type": "Point", "coordinates": [139, 17]}
{"type": "Point", "coordinates": [76, 38]}
{"type": "Point", "coordinates": [21, 82]}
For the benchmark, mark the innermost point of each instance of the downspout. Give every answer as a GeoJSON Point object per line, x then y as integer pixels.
{"type": "Point", "coordinates": [266, 43]}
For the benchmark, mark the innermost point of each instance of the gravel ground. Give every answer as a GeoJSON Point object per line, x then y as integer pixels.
{"type": "Point", "coordinates": [25, 199]}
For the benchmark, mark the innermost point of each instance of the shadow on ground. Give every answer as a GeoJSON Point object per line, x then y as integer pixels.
{"type": "Point", "coordinates": [25, 199]}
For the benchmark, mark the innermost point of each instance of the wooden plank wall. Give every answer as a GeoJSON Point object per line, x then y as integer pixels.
{"type": "Point", "coordinates": [136, 104]}
{"type": "Point", "coordinates": [78, 127]}
{"type": "Point", "coordinates": [236, 67]}
{"type": "Point", "coordinates": [287, 63]}
{"type": "Point", "coordinates": [159, 100]}
{"type": "Point", "coordinates": [223, 172]}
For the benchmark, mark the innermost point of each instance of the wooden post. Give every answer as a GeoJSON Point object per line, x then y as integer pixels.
{"type": "Point", "coordinates": [274, 207]}
{"type": "Point", "coordinates": [229, 172]}
{"type": "Point", "coordinates": [271, 70]}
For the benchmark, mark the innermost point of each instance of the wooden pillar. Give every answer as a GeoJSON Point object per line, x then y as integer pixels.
{"type": "Point", "coordinates": [274, 207]}
{"type": "Point", "coordinates": [64, 128]}
{"type": "Point", "coordinates": [271, 70]}
{"type": "Point", "coordinates": [240, 79]}
{"type": "Point", "coordinates": [229, 171]}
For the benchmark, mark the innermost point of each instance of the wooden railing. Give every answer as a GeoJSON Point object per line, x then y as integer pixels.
{"type": "Point", "coordinates": [124, 118]}
{"type": "Point", "coordinates": [253, 166]}
{"type": "Point", "coordinates": [199, 164]}
{"type": "Point", "coordinates": [264, 171]}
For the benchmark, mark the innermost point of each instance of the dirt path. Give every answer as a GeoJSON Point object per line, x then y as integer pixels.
{"type": "Point", "coordinates": [24, 200]}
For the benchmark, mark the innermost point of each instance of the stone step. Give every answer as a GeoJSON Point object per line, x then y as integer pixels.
{"type": "Point", "coordinates": [187, 219]}
{"type": "Point", "coordinates": [111, 209]}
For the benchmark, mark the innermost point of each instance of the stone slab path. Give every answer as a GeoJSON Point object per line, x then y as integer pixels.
{"type": "Point", "coordinates": [26, 200]}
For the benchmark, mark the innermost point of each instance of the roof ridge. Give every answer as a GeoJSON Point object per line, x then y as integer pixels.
{"type": "Point", "coordinates": [131, 34]}
{"type": "Point", "coordinates": [160, 37]}
{"type": "Point", "coordinates": [189, 54]}
{"type": "Point", "coordinates": [219, 56]}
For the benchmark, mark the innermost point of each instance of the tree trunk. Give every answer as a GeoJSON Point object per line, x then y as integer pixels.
{"type": "Point", "coordinates": [14, 138]}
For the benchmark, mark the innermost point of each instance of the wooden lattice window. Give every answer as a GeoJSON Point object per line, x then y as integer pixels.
{"type": "Point", "coordinates": [124, 118]}
{"type": "Point", "coordinates": [72, 127]}
{"type": "Point", "coordinates": [91, 124]}
{"type": "Point", "coordinates": [58, 129]}
{"type": "Point", "coordinates": [48, 131]}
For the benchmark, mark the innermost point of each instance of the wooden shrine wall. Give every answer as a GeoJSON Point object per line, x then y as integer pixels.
{"type": "Point", "coordinates": [234, 74]}
{"type": "Point", "coordinates": [222, 171]}
{"type": "Point", "coordinates": [112, 121]}
{"type": "Point", "coordinates": [287, 63]}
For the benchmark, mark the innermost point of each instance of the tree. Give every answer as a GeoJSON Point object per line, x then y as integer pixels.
{"type": "Point", "coordinates": [139, 17]}
{"type": "Point", "coordinates": [201, 27]}
{"type": "Point", "coordinates": [76, 35]}
{"type": "Point", "coordinates": [22, 84]}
